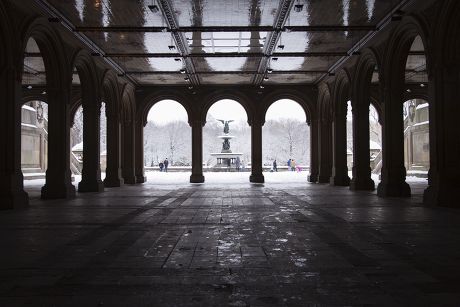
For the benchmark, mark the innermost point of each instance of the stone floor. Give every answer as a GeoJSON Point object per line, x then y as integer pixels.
{"type": "Point", "coordinates": [230, 245]}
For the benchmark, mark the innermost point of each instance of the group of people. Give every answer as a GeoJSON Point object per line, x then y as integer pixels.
{"type": "Point", "coordinates": [164, 165]}
{"type": "Point", "coordinates": [292, 166]}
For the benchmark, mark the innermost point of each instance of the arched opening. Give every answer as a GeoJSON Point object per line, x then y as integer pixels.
{"type": "Point", "coordinates": [375, 142]}
{"type": "Point", "coordinates": [416, 114]}
{"type": "Point", "coordinates": [226, 143]}
{"type": "Point", "coordinates": [286, 143]}
{"type": "Point", "coordinates": [34, 119]}
{"type": "Point", "coordinates": [167, 143]}
{"type": "Point", "coordinates": [77, 142]}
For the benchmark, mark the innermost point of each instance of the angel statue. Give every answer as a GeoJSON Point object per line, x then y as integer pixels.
{"type": "Point", "coordinates": [226, 127]}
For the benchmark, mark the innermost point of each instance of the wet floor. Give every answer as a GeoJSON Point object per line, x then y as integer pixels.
{"type": "Point", "coordinates": [205, 245]}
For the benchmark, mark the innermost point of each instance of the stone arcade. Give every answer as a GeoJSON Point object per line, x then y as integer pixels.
{"type": "Point", "coordinates": [334, 240]}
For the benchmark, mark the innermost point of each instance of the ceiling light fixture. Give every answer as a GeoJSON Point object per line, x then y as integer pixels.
{"type": "Point", "coordinates": [177, 59]}
{"type": "Point", "coordinates": [298, 8]}
{"type": "Point", "coordinates": [190, 87]}
{"type": "Point", "coordinates": [269, 70]}
{"type": "Point", "coordinates": [171, 47]}
{"type": "Point", "coordinates": [275, 59]}
{"type": "Point", "coordinates": [187, 79]}
{"type": "Point", "coordinates": [266, 78]}
{"type": "Point", "coordinates": [262, 86]}
{"type": "Point", "coordinates": [44, 93]}
{"type": "Point", "coordinates": [182, 71]}
{"type": "Point", "coordinates": [154, 7]}
{"type": "Point", "coordinates": [29, 87]}
{"type": "Point", "coordinates": [422, 85]}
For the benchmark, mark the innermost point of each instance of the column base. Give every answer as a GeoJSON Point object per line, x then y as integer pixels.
{"type": "Point", "coordinates": [259, 178]}
{"type": "Point", "coordinates": [365, 184]}
{"type": "Point", "coordinates": [324, 178]}
{"type": "Point", "coordinates": [196, 178]}
{"type": "Point", "coordinates": [130, 179]}
{"type": "Point", "coordinates": [434, 195]}
{"type": "Point", "coordinates": [90, 186]}
{"type": "Point", "coordinates": [113, 182]}
{"type": "Point", "coordinates": [141, 179]}
{"type": "Point", "coordinates": [312, 178]}
{"type": "Point", "coordinates": [62, 191]}
{"type": "Point", "coordinates": [14, 200]}
{"type": "Point", "coordinates": [340, 180]}
{"type": "Point", "coordinates": [393, 189]}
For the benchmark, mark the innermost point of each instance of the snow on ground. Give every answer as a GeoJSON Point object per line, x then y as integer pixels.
{"type": "Point", "coordinates": [170, 180]}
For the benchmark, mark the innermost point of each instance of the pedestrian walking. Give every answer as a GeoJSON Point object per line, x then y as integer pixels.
{"type": "Point", "coordinates": [289, 164]}
{"type": "Point", "coordinates": [161, 165]}
{"type": "Point", "coordinates": [166, 163]}
{"type": "Point", "coordinates": [275, 166]}
{"type": "Point", "coordinates": [293, 165]}
{"type": "Point", "coordinates": [238, 164]}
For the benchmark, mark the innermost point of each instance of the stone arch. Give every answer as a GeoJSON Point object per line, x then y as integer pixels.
{"type": "Point", "coordinates": [86, 68]}
{"type": "Point", "coordinates": [448, 44]}
{"type": "Point", "coordinates": [242, 99]}
{"type": "Point", "coordinates": [52, 51]}
{"type": "Point", "coordinates": [156, 97]}
{"type": "Point", "coordinates": [362, 76]}
{"type": "Point", "coordinates": [110, 93]}
{"type": "Point", "coordinates": [128, 107]}
{"type": "Point", "coordinates": [324, 102]}
{"type": "Point", "coordinates": [398, 47]}
{"type": "Point", "coordinates": [298, 97]}
{"type": "Point", "coordinates": [341, 92]}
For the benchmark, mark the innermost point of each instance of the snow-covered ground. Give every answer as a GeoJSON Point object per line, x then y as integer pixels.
{"type": "Point", "coordinates": [232, 179]}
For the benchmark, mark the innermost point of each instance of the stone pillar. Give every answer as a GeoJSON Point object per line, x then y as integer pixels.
{"type": "Point", "coordinates": [256, 152]}
{"type": "Point", "coordinates": [91, 172]}
{"type": "Point", "coordinates": [325, 153]}
{"type": "Point", "coordinates": [139, 152]}
{"type": "Point", "coordinates": [361, 155]}
{"type": "Point", "coordinates": [12, 194]}
{"type": "Point", "coordinates": [339, 148]}
{"type": "Point", "coordinates": [58, 175]}
{"type": "Point", "coordinates": [444, 93]}
{"type": "Point", "coordinates": [113, 177]}
{"type": "Point", "coordinates": [197, 152]}
{"type": "Point", "coordinates": [129, 165]}
{"type": "Point", "coordinates": [393, 176]}
{"type": "Point", "coordinates": [314, 167]}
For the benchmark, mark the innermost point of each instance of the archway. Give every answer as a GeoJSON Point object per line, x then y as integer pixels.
{"type": "Point", "coordinates": [167, 143]}
{"type": "Point", "coordinates": [286, 140]}
{"type": "Point", "coordinates": [226, 142]}
{"type": "Point", "coordinates": [34, 119]}
{"type": "Point", "coordinates": [416, 114]}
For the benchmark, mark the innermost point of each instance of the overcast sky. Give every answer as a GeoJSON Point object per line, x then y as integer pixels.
{"type": "Point", "coordinates": [167, 111]}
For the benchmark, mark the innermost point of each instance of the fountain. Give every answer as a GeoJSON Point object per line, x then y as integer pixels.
{"type": "Point", "coordinates": [226, 158]}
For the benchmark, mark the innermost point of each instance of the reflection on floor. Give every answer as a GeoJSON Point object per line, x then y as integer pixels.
{"type": "Point", "coordinates": [236, 245]}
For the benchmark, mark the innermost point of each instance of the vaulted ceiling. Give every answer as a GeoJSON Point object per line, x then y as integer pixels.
{"type": "Point", "coordinates": [206, 42]}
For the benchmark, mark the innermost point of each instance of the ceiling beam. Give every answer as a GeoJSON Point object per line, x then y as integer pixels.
{"type": "Point", "coordinates": [281, 16]}
{"type": "Point", "coordinates": [85, 40]}
{"type": "Point", "coordinates": [179, 39]}
{"type": "Point", "coordinates": [316, 28]}
{"type": "Point", "coordinates": [246, 72]}
{"type": "Point", "coordinates": [225, 55]}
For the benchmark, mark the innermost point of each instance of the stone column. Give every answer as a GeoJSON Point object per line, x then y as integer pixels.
{"type": "Point", "coordinates": [58, 175]}
{"type": "Point", "coordinates": [91, 172]}
{"type": "Point", "coordinates": [197, 152]}
{"type": "Point", "coordinates": [139, 152]}
{"type": "Point", "coordinates": [339, 148]}
{"type": "Point", "coordinates": [314, 167]}
{"type": "Point", "coordinates": [325, 154]}
{"type": "Point", "coordinates": [361, 155]}
{"type": "Point", "coordinates": [129, 166]}
{"type": "Point", "coordinates": [12, 194]}
{"type": "Point", "coordinates": [444, 96]}
{"type": "Point", "coordinates": [393, 176]}
{"type": "Point", "coordinates": [256, 152]}
{"type": "Point", "coordinates": [113, 177]}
